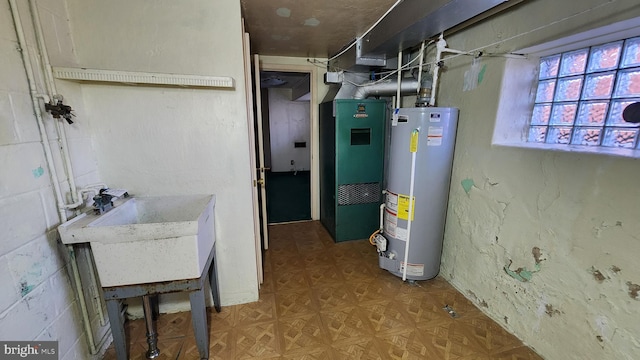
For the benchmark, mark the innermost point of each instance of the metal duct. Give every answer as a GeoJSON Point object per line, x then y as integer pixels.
{"type": "Point", "coordinates": [411, 22]}
{"type": "Point", "coordinates": [358, 86]}
{"type": "Point", "coordinates": [386, 88]}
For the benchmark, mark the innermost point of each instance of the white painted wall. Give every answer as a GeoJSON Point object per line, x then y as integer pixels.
{"type": "Point", "coordinates": [289, 122]}
{"type": "Point", "coordinates": [157, 140]}
{"type": "Point", "coordinates": [36, 298]}
{"type": "Point", "coordinates": [581, 210]}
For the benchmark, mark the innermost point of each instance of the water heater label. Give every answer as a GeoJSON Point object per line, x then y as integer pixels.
{"type": "Point", "coordinates": [413, 269]}
{"type": "Point", "coordinates": [401, 234]}
{"type": "Point", "coordinates": [434, 135]}
{"type": "Point", "coordinates": [403, 207]}
{"type": "Point", "coordinates": [413, 146]}
{"type": "Point", "coordinates": [390, 223]}
{"type": "Point", "coordinates": [392, 202]}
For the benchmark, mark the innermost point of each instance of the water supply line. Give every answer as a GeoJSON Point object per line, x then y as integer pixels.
{"type": "Point", "coordinates": [44, 138]}
{"type": "Point", "coordinates": [76, 194]}
{"type": "Point", "coordinates": [381, 228]}
{"type": "Point", "coordinates": [441, 47]}
{"type": "Point", "coordinates": [413, 148]}
{"type": "Point", "coordinates": [53, 175]}
{"type": "Point", "coordinates": [53, 93]}
{"type": "Point", "coordinates": [382, 207]}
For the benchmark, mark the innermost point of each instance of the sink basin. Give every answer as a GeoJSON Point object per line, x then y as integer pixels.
{"type": "Point", "coordinates": [147, 239]}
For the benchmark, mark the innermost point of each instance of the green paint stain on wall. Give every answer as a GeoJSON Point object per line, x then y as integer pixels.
{"type": "Point", "coordinates": [38, 172]}
{"type": "Point", "coordinates": [521, 274]}
{"type": "Point", "coordinates": [25, 288]}
{"type": "Point", "coordinates": [481, 73]}
{"type": "Point", "coordinates": [467, 184]}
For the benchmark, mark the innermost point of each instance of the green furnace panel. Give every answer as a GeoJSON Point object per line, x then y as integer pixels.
{"type": "Point", "coordinates": [351, 166]}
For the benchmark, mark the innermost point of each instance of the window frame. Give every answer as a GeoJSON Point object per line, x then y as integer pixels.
{"type": "Point", "coordinates": [520, 82]}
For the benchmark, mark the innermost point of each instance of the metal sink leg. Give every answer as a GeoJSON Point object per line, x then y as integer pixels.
{"type": "Point", "coordinates": [152, 335]}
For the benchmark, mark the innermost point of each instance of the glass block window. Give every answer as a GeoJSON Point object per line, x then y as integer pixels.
{"type": "Point", "coordinates": [581, 95]}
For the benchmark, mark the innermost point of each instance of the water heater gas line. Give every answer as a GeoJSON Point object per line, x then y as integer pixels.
{"type": "Point", "coordinates": [413, 148]}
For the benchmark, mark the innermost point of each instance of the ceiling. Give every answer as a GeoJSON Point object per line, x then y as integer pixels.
{"type": "Point", "coordinates": [308, 28]}
{"type": "Point", "coordinates": [280, 79]}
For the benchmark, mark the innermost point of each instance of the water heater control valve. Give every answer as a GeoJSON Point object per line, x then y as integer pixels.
{"type": "Point", "coordinates": [381, 243]}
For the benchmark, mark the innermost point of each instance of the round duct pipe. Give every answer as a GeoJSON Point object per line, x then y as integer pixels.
{"type": "Point", "coordinates": [386, 88]}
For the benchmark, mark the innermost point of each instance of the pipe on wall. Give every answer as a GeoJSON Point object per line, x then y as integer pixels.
{"type": "Point", "coordinates": [386, 88]}
{"type": "Point", "coordinates": [44, 138]}
{"type": "Point", "coordinates": [53, 94]}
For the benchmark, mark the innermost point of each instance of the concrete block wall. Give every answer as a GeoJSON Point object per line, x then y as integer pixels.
{"type": "Point", "coordinates": [573, 215]}
{"type": "Point", "coordinates": [36, 297]}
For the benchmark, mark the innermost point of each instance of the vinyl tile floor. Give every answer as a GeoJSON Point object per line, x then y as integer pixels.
{"type": "Point", "coordinates": [322, 300]}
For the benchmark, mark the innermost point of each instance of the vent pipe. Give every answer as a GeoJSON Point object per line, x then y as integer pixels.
{"type": "Point", "coordinates": [349, 85]}
{"type": "Point", "coordinates": [408, 86]}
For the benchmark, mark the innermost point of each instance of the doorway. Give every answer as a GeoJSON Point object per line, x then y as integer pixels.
{"type": "Point", "coordinates": [286, 114]}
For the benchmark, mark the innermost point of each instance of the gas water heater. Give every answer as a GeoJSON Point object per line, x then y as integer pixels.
{"type": "Point", "coordinates": [420, 162]}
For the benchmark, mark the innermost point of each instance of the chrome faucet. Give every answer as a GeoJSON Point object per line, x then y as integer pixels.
{"type": "Point", "coordinates": [102, 202]}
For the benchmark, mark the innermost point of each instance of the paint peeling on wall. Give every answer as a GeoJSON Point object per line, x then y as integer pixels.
{"type": "Point", "coordinates": [597, 274]}
{"type": "Point", "coordinates": [38, 172]}
{"type": "Point", "coordinates": [597, 230]}
{"type": "Point", "coordinates": [549, 310]}
{"type": "Point", "coordinates": [479, 301]}
{"type": "Point", "coordinates": [25, 288]}
{"type": "Point", "coordinates": [481, 73]}
{"type": "Point", "coordinates": [634, 289]}
{"type": "Point", "coordinates": [467, 184]}
{"type": "Point", "coordinates": [523, 274]}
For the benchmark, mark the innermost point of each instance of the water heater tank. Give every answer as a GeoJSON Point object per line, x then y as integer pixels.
{"type": "Point", "coordinates": [430, 132]}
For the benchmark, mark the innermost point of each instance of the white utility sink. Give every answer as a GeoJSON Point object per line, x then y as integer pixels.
{"type": "Point", "coordinates": [147, 239]}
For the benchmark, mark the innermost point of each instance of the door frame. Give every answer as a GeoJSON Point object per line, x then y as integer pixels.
{"type": "Point", "coordinates": [266, 65]}
{"type": "Point", "coordinates": [246, 51]}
